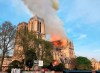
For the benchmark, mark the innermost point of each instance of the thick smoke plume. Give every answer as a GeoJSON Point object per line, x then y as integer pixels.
{"type": "Point", "coordinates": [47, 9]}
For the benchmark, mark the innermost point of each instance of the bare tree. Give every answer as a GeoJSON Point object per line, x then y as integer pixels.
{"type": "Point", "coordinates": [7, 39]}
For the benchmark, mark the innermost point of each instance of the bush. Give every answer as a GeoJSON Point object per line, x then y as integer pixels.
{"type": "Point", "coordinates": [14, 64]}
{"type": "Point", "coordinates": [59, 67]}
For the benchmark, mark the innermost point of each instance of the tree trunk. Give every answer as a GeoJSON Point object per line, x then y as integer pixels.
{"type": "Point", "coordinates": [2, 59]}
{"type": "Point", "coordinates": [24, 63]}
{"type": "Point", "coordinates": [24, 58]}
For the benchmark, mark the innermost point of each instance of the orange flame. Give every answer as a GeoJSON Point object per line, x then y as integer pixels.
{"type": "Point", "coordinates": [55, 38]}
{"type": "Point", "coordinates": [58, 41]}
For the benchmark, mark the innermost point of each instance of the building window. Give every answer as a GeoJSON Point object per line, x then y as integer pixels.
{"type": "Point", "coordinates": [39, 27]}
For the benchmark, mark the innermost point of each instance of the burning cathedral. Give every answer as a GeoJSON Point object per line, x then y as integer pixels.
{"type": "Point", "coordinates": [63, 50]}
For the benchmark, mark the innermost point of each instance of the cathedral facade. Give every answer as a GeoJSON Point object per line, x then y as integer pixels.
{"type": "Point", "coordinates": [63, 50]}
{"type": "Point", "coordinates": [35, 25]}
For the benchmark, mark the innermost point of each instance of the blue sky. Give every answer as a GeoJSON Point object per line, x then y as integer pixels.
{"type": "Point", "coordinates": [81, 20]}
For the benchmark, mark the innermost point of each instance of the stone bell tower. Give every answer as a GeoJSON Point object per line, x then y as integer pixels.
{"type": "Point", "coordinates": [37, 26]}
{"type": "Point", "coordinates": [18, 49]}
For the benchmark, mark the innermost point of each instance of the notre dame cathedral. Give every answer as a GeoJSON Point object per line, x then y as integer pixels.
{"type": "Point", "coordinates": [61, 52]}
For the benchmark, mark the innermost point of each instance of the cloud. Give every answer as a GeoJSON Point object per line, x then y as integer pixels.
{"type": "Point", "coordinates": [82, 36]}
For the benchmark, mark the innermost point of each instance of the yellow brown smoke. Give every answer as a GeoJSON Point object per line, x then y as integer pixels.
{"type": "Point", "coordinates": [47, 9]}
{"type": "Point", "coordinates": [55, 4]}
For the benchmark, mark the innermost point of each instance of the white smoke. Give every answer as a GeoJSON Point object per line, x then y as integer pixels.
{"type": "Point", "coordinates": [44, 9]}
